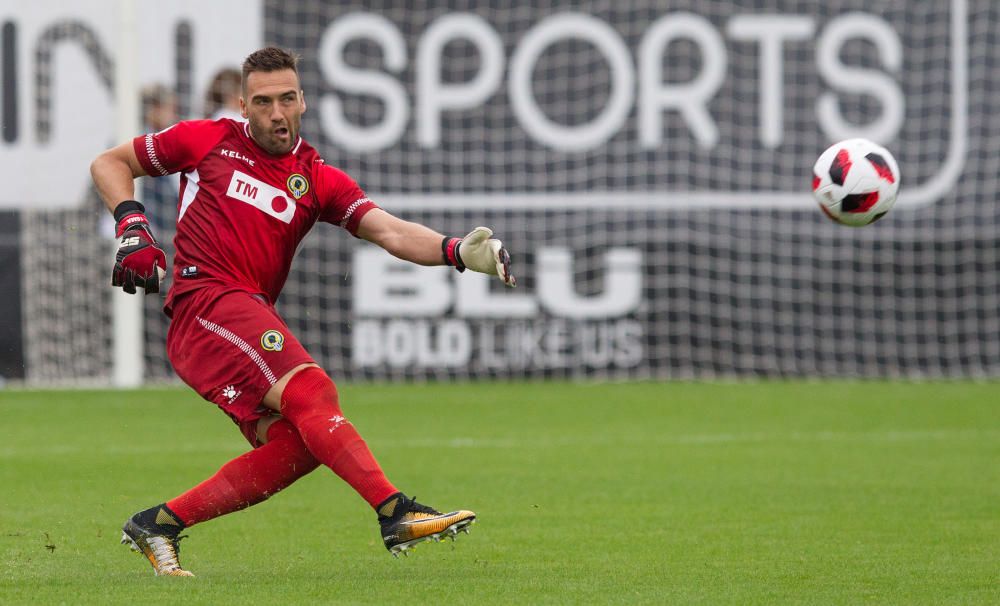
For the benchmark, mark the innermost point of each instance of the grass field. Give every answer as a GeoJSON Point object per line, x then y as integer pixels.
{"type": "Point", "coordinates": [757, 493]}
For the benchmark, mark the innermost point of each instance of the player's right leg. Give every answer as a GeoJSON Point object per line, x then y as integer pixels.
{"type": "Point", "coordinates": [155, 534]}
{"type": "Point", "coordinates": [246, 480]}
{"type": "Point", "coordinates": [308, 399]}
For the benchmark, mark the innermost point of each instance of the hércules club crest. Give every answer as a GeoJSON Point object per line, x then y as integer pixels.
{"type": "Point", "coordinates": [272, 340]}
{"type": "Point", "coordinates": [297, 185]}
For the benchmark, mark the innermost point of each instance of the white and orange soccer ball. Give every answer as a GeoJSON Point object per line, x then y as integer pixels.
{"type": "Point", "coordinates": [855, 182]}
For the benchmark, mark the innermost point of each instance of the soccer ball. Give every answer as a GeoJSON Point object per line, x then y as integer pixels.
{"type": "Point", "coordinates": [855, 182]}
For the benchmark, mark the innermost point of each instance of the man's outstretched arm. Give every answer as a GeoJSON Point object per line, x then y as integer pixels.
{"type": "Point", "coordinates": [140, 261]}
{"type": "Point", "coordinates": [420, 244]}
{"type": "Point", "coordinates": [114, 173]}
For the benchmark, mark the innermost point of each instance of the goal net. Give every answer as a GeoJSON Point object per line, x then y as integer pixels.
{"type": "Point", "coordinates": [648, 169]}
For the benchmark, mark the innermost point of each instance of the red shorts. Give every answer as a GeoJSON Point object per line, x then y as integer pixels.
{"type": "Point", "coordinates": [231, 347]}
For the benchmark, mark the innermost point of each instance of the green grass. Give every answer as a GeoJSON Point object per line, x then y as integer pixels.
{"type": "Point", "coordinates": [769, 493]}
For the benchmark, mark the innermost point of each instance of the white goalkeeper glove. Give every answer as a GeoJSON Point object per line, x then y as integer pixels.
{"type": "Point", "coordinates": [479, 252]}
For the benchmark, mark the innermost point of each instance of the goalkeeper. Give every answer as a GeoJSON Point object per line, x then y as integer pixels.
{"type": "Point", "coordinates": [249, 193]}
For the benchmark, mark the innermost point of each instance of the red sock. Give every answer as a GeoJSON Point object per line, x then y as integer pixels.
{"type": "Point", "coordinates": [310, 403]}
{"type": "Point", "coordinates": [249, 478]}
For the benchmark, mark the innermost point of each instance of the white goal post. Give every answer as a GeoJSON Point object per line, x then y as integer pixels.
{"type": "Point", "coordinates": [128, 366]}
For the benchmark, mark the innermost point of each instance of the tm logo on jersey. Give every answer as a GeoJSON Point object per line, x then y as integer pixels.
{"type": "Point", "coordinates": [261, 196]}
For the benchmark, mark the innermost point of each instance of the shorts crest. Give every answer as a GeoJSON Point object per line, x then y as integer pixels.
{"type": "Point", "coordinates": [272, 340]}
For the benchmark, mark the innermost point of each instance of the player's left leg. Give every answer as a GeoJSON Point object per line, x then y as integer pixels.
{"type": "Point", "coordinates": [308, 399]}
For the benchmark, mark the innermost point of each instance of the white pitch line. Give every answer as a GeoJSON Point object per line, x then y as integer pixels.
{"type": "Point", "coordinates": [131, 450]}
{"type": "Point", "coordinates": [521, 443]}
{"type": "Point", "coordinates": [696, 439]}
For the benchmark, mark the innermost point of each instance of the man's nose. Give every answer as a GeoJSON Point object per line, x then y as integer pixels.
{"type": "Point", "coordinates": [276, 112]}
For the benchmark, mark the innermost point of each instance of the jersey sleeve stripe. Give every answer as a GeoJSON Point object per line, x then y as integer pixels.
{"type": "Point", "coordinates": [151, 153]}
{"type": "Point", "coordinates": [350, 210]}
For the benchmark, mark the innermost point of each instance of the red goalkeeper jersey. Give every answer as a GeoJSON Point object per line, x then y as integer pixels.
{"type": "Point", "coordinates": [242, 211]}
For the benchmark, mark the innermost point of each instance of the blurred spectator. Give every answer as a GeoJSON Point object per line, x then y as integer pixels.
{"type": "Point", "coordinates": [159, 107]}
{"type": "Point", "coordinates": [222, 99]}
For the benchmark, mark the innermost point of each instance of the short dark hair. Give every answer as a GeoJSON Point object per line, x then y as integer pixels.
{"type": "Point", "coordinates": [269, 59]}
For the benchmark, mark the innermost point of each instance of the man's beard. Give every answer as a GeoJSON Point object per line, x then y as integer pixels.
{"type": "Point", "coordinates": [270, 142]}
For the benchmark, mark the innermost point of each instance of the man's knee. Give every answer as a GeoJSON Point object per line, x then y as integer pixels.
{"type": "Point", "coordinates": [272, 399]}
{"type": "Point", "coordinates": [310, 394]}
{"type": "Point", "coordinates": [264, 425]}
{"type": "Point", "coordinates": [286, 451]}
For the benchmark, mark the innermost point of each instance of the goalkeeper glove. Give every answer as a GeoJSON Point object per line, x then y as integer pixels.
{"type": "Point", "coordinates": [479, 252]}
{"type": "Point", "coordinates": [140, 260]}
